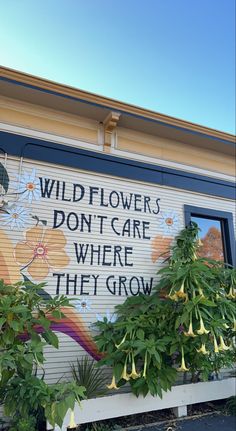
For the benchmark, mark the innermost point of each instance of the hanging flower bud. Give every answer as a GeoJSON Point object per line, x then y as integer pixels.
{"type": "Point", "coordinates": [202, 330]}
{"type": "Point", "coordinates": [203, 350]}
{"type": "Point", "coordinates": [222, 345]}
{"type": "Point", "coordinates": [226, 326]}
{"type": "Point", "coordinates": [72, 424]}
{"type": "Point", "coordinates": [201, 292]}
{"type": "Point", "coordinates": [122, 341]}
{"type": "Point", "coordinates": [190, 332]}
{"type": "Point", "coordinates": [183, 367]}
{"type": "Point", "coordinates": [234, 325]}
{"type": "Point", "coordinates": [145, 365]}
{"type": "Point", "coordinates": [113, 383]}
{"type": "Point", "coordinates": [124, 374]}
{"type": "Point", "coordinates": [133, 374]}
{"type": "Point", "coordinates": [216, 348]}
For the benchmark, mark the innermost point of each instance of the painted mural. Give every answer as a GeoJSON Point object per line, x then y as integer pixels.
{"type": "Point", "coordinates": [35, 248]}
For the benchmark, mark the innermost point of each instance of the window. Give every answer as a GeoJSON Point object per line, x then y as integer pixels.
{"type": "Point", "coordinates": [217, 233]}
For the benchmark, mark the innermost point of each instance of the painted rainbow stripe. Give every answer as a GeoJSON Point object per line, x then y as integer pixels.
{"type": "Point", "coordinates": [73, 326]}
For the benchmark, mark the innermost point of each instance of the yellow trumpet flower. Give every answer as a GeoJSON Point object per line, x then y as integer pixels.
{"type": "Point", "coordinates": [203, 350]}
{"type": "Point", "coordinates": [124, 374]}
{"type": "Point", "coordinates": [133, 374]}
{"type": "Point", "coordinates": [181, 293]}
{"type": "Point", "coordinates": [190, 332]}
{"type": "Point", "coordinates": [222, 345]}
{"type": "Point", "coordinates": [216, 348]}
{"type": "Point", "coordinates": [202, 330]}
{"type": "Point", "coordinates": [174, 297]}
{"type": "Point", "coordinates": [183, 367]}
{"type": "Point", "coordinates": [231, 294]}
{"type": "Point", "coordinates": [113, 384]}
{"type": "Point", "coordinates": [72, 423]}
{"type": "Point", "coordinates": [122, 341]}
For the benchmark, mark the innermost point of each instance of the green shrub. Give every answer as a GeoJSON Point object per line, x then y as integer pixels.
{"type": "Point", "coordinates": [23, 391]}
{"type": "Point", "coordinates": [191, 330]}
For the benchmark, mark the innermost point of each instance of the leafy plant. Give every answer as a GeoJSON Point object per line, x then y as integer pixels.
{"type": "Point", "coordinates": [85, 373]}
{"type": "Point", "coordinates": [4, 178]}
{"type": "Point", "coordinates": [24, 313]}
{"type": "Point", "coordinates": [191, 330]}
{"type": "Point", "coordinates": [98, 426]}
{"type": "Point", "coordinates": [230, 406]}
{"type": "Point", "coordinates": [27, 424]}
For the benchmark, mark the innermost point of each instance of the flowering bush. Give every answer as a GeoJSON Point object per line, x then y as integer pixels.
{"type": "Point", "coordinates": [190, 330]}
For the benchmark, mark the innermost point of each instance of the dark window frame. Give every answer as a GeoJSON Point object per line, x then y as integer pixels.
{"type": "Point", "coordinates": [227, 224]}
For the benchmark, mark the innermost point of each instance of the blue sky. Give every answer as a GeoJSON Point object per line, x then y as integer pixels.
{"type": "Point", "coordinates": [176, 57]}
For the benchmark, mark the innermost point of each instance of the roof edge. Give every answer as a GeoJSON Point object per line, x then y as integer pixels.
{"type": "Point", "coordinates": [66, 90]}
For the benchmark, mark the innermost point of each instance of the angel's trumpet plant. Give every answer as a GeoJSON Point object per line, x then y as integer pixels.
{"type": "Point", "coordinates": [181, 293]}
{"type": "Point", "coordinates": [113, 384]}
{"type": "Point", "coordinates": [133, 374]}
{"type": "Point", "coordinates": [183, 367]}
{"type": "Point", "coordinates": [124, 374]}
{"type": "Point", "coordinates": [203, 350]}
{"type": "Point", "coordinates": [145, 365]}
{"type": "Point", "coordinates": [72, 424]}
{"type": "Point", "coordinates": [222, 345]}
{"type": "Point", "coordinates": [216, 348]}
{"type": "Point", "coordinates": [122, 341]}
{"type": "Point", "coordinates": [201, 292]}
{"type": "Point", "coordinates": [231, 294]}
{"type": "Point", "coordinates": [190, 332]}
{"type": "Point", "coordinates": [202, 330]}
{"type": "Point", "coordinates": [234, 325]}
{"type": "Point", "coordinates": [173, 297]}
{"type": "Point", "coordinates": [226, 326]}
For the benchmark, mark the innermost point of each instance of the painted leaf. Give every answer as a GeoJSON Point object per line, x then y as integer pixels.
{"type": "Point", "coordinates": [4, 178]}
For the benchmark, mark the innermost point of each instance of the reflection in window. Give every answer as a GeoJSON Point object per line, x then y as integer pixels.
{"type": "Point", "coordinates": [211, 238]}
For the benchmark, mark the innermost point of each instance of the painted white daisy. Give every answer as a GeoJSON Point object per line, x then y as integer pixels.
{"type": "Point", "coordinates": [170, 222]}
{"type": "Point", "coordinates": [83, 305]}
{"type": "Point", "coordinates": [28, 186]}
{"type": "Point", "coordinates": [16, 217]}
{"type": "Point", "coordinates": [110, 317]}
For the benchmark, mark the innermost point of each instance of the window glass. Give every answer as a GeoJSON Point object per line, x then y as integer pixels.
{"type": "Point", "coordinates": [211, 237]}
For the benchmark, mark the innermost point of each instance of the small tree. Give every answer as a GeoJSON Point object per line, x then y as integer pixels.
{"type": "Point", "coordinates": [191, 330]}
{"type": "Point", "coordinates": [25, 320]}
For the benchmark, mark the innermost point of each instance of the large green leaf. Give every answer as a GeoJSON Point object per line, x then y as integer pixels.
{"type": "Point", "coordinates": [4, 178]}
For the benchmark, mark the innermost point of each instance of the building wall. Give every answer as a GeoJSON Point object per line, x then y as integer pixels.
{"type": "Point", "coordinates": [102, 287]}
{"type": "Point", "coordinates": [79, 131]}
{"type": "Point", "coordinates": [152, 199]}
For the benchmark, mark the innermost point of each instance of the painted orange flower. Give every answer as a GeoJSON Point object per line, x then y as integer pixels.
{"type": "Point", "coordinates": [161, 247]}
{"type": "Point", "coordinates": [41, 251]}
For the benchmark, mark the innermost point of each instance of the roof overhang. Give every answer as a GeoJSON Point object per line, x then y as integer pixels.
{"type": "Point", "coordinates": [28, 88]}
